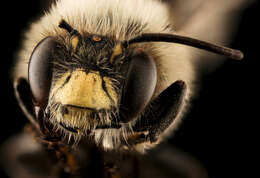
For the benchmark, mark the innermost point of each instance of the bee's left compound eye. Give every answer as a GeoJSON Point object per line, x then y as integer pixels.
{"type": "Point", "coordinates": [139, 86]}
{"type": "Point", "coordinates": [40, 71]}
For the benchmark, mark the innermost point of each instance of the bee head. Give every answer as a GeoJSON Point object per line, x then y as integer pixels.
{"type": "Point", "coordinates": [84, 81]}
{"type": "Point", "coordinates": [87, 81]}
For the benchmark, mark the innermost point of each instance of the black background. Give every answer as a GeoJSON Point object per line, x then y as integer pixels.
{"type": "Point", "coordinates": [221, 128]}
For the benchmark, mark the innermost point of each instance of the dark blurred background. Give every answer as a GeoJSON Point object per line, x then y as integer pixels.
{"type": "Point", "coordinates": [218, 130]}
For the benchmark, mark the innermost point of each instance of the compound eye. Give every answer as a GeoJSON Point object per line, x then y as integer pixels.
{"type": "Point", "coordinates": [139, 85]}
{"type": "Point", "coordinates": [40, 71]}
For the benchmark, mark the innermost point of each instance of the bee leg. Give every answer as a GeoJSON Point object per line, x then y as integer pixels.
{"type": "Point", "coordinates": [24, 97]}
{"type": "Point", "coordinates": [162, 112]}
{"type": "Point", "coordinates": [34, 114]}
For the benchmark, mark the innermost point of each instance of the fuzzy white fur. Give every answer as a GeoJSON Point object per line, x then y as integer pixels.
{"type": "Point", "coordinates": [173, 61]}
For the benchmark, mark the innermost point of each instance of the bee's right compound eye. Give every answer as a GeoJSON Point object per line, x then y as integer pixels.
{"type": "Point", "coordinates": [40, 71]}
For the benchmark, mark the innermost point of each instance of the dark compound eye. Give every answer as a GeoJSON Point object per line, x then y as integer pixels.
{"type": "Point", "coordinates": [40, 71]}
{"type": "Point", "coordinates": [139, 86]}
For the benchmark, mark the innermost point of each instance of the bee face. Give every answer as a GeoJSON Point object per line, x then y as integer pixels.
{"type": "Point", "coordinates": [91, 72]}
{"type": "Point", "coordinates": [86, 82]}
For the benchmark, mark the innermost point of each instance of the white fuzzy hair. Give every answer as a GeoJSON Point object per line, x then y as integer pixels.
{"type": "Point", "coordinates": [91, 16]}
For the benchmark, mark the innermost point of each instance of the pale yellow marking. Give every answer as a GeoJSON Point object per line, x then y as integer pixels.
{"type": "Point", "coordinates": [110, 89]}
{"type": "Point", "coordinates": [117, 51]}
{"type": "Point", "coordinates": [85, 90]}
{"type": "Point", "coordinates": [74, 112]}
{"type": "Point", "coordinates": [59, 83]}
{"type": "Point", "coordinates": [75, 42]}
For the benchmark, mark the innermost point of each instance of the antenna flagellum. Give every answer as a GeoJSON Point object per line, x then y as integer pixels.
{"type": "Point", "coordinates": [172, 38]}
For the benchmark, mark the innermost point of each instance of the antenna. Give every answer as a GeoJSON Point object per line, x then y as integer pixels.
{"type": "Point", "coordinates": [63, 24]}
{"type": "Point", "coordinates": [172, 38]}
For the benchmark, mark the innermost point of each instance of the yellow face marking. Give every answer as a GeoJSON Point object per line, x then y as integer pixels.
{"type": "Point", "coordinates": [111, 90]}
{"type": "Point", "coordinates": [85, 90]}
{"type": "Point", "coordinates": [117, 51]}
{"type": "Point", "coordinates": [75, 42]}
{"type": "Point", "coordinates": [73, 115]}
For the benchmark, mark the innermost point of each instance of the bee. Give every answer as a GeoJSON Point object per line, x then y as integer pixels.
{"type": "Point", "coordinates": [99, 71]}
{"type": "Point", "coordinates": [104, 77]}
